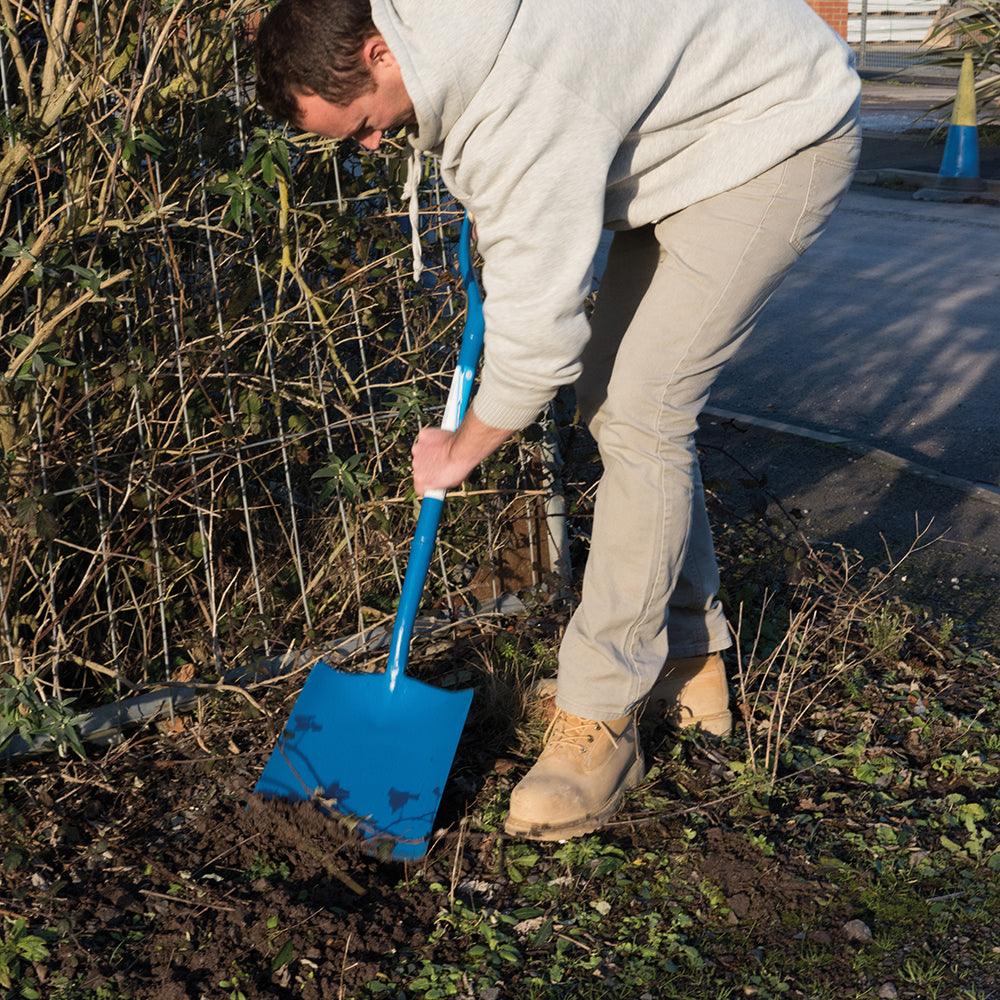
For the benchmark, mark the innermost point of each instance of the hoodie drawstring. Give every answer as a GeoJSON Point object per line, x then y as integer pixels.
{"type": "Point", "coordinates": [410, 190]}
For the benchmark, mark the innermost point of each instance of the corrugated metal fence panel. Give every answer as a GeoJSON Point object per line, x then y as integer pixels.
{"type": "Point", "coordinates": [882, 7]}
{"type": "Point", "coordinates": [890, 21]}
{"type": "Point", "coordinates": [890, 29]}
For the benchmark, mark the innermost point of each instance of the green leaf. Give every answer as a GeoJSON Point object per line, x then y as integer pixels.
{"type": "Point", "coordinates": [509, 953]}
{"type": "Point", "coordinates": [267, 168]}
{"type": "Point", "coordinates": [33, 948]}
{"type": "Point", "coordinates": [283, 957]}
{"type": "Point", "coordinates": [280, 150]}
{"type": "Point", "coordinates": [149, 143]}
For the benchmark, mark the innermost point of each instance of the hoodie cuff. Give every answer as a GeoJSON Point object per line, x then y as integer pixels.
{"type": "Point", "coordinates": [504, 414]}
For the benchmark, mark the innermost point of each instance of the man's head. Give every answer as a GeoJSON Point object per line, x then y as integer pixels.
{"type": "Point", "coordinates": [323, 66]}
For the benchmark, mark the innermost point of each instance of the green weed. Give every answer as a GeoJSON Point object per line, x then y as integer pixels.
{"type": "Point", "coordinates": [262, 866]}
{"type": "Point", "coordinates": [886, 631]}
{"type": "Point", "coordinates": [18, 950]}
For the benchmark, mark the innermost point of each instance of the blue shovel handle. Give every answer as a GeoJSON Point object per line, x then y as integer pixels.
{"type": "Point", "coordinates": [433, 502]}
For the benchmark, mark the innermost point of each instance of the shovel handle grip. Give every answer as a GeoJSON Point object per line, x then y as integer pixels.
{"type": "Point", "coordinates": [425, 535]}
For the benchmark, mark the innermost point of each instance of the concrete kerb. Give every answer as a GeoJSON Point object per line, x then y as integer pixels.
{"type": "Point", "coordinates": [917, 178]}
{"type": "Point", "coordinates": [927, 75]}
{"type": "Point", "coordinates": [981, 491]}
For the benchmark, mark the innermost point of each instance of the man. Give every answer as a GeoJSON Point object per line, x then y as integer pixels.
{"type": "Point", "coordinates": [715, 138]}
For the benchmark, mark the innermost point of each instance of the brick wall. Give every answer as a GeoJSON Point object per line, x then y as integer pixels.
{"type": "Point", "coordinates": [834, 12]}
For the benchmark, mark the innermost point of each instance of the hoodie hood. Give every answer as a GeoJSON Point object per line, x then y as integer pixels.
{"type": "Point", "coordinates": [442, 73]}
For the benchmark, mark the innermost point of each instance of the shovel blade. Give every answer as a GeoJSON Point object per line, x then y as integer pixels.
{"type": "Point", "coordinates": [379, 757]}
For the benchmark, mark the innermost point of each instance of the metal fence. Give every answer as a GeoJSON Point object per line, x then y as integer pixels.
{"type": "Point", "coordinates": [891, 35]}
{"type": "Point", "coordinates": [215, 360]}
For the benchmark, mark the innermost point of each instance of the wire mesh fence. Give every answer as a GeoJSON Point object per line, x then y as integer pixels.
{"type": "Point", "coordinates": [215, 360]}
{"type": "Point", "coordinates": [891, 35]}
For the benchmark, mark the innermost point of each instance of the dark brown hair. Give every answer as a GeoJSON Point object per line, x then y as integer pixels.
{"type": "Point", "coordinates": [312, 47]}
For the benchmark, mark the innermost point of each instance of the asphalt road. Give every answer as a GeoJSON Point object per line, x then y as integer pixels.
{"type": "Point", "coordinates": [888, 331]}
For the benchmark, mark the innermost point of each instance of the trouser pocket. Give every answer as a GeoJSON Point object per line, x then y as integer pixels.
{"type": "Point", "coordinates": [830, 167]}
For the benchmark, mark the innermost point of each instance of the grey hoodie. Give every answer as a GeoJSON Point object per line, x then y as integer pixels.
{"type": "Point", "coordinates": [555, 118]}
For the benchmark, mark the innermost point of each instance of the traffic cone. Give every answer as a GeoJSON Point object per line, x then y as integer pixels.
{"type": "Point", "coordinates": [960, 163]}
{"type": "Point", "coordinates": [958, 179]}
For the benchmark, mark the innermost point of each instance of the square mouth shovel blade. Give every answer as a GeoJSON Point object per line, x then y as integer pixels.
{"type": "Point", "coordinates": [378, 758]}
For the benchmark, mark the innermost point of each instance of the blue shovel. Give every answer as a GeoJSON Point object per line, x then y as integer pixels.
{"type": "Point", "coordinates": [377, 748]}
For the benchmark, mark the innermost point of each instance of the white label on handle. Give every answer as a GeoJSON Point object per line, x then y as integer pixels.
{"type": "Point", "coordinates": [450, 419]}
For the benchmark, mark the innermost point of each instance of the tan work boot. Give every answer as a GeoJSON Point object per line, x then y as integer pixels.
{"type": "Point", "coordinates": [691, 691]}
{"type": "Point", "coordinates": [579, 779]}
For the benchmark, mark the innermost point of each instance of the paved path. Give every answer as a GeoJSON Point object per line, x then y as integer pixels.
{"type": "Point", "coordinates": [887, 331]}
{"type": "Point", "coordinates": [835, 497]}
{"type": "Point", "coordinates": [895, 107]}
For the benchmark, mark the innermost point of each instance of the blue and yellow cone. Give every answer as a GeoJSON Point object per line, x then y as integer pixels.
{"type": "Point", "coordinates": [960, 163]}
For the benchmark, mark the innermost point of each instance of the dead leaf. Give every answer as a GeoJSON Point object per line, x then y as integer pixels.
{"type": "Point", "coordinates": [184, 673]}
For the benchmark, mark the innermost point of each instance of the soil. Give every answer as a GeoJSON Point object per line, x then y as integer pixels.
{"type": "Point", "coordinates": [164, 878]}
{"type": "Point", "coordinates": [203, 883]}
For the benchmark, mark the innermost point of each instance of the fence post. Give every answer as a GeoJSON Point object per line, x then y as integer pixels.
{"type": "Point", "coordinates": [863, 44]}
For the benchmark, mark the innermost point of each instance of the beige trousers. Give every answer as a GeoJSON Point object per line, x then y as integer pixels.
{"type": "Point", "coordinates": [676, 301]}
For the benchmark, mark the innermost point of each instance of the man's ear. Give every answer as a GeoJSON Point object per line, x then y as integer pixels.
{"type": "Point", "coordinates": [373, 51]}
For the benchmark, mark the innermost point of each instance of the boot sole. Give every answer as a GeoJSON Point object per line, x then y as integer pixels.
{"type": "Point", "coordinates": [587, 824]}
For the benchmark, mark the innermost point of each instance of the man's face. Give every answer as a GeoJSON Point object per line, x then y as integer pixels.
{"type": "Point", "coordinates": [367, 117]}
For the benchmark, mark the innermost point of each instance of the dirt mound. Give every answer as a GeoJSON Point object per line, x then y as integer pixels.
{"type": "Point", "coordinates": [756, 887]}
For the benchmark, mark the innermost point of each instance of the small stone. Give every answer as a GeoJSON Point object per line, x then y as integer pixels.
{"type": "Point", "coordinates": [857, 931]}
{"type": "Point", "coordinates": [821, 937]}
{"type": "Point", "coordinates": [529, 926]}
{"type": "Point", "coordinates": [739, 903]}
{"type": "Point", "coordinates": [887, 992]}
{"type": "Point", "coordinates": [476, 887]}
{"type": "Point", "coordinates": [490, 993]}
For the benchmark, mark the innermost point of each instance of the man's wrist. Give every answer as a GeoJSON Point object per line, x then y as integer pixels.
{"type": "Point", "coordinates": [474, 441]}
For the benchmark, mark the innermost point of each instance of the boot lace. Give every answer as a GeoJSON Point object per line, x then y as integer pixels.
{"type": "Point", "coordinates": [571, 731]}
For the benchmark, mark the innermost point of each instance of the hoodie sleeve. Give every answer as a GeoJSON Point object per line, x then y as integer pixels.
{"type": "Point", "coordinates": [532, 167]}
